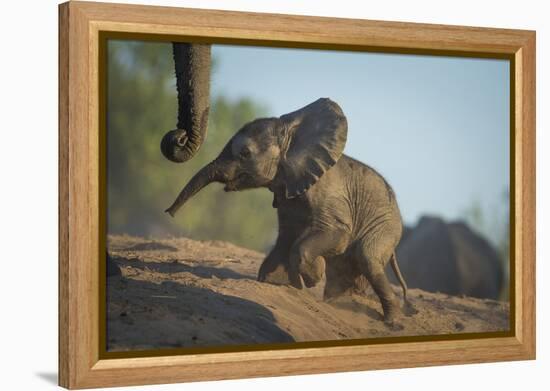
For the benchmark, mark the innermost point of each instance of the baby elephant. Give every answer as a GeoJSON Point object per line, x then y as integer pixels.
{"type": "Point", "coordinates": [336, 215]}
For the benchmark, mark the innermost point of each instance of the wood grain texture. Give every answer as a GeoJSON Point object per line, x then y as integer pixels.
{"type": "Point", "coordinates": [79, 170]}
{"type": "Point", "coordinates": [528, 188]}
{"type": "Point", "coordinates": [291, 28]}
{"type": "Point", "coordinates": [63, 221]}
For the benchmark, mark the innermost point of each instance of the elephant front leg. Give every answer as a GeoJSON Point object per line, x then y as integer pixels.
{"type": "Point", "coordinates": [274, 268]}
{"type": "Point", "coordinates": [307, 262]}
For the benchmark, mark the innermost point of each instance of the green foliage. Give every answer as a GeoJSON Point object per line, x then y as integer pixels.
{"type": "Point", "coordinates": [141, 183]}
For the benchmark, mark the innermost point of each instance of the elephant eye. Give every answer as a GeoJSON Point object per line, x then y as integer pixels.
{"type": "Point", "coordinates": [245, 153]}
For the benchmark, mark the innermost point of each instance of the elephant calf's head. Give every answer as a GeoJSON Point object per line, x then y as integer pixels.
{"type": "Point", "coordinates": [289, 153]}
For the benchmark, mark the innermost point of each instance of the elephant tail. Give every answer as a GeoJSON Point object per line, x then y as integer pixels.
{"type": "Point", "coordinates": [398, 275]}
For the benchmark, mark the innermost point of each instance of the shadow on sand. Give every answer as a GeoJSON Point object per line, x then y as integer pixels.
{"type": "Point", "coordinates": [148, 315]}
{"type": "Point", "coordinates": [177, 267]}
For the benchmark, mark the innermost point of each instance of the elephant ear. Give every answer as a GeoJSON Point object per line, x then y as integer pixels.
{"type": "Point", "coordinates": [313, 140]}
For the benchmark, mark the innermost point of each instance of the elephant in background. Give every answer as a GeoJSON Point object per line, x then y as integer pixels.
{"type": "Point", "coordinates": [450, 258]}
{"type": "Point", "coordinates": [336, 215]}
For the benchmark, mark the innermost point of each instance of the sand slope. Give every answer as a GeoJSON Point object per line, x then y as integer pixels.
{"type": "Point", "coordinates": [185, 293]}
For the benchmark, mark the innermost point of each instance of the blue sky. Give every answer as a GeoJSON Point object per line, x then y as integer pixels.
{"type": "Point", "coordinates": [436, 127]}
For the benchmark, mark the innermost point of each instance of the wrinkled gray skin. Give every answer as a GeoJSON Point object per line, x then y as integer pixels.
{"type": "Point", "coordinates": [192, 66]}
{"type": "Point", "coordinates": [336, 215]}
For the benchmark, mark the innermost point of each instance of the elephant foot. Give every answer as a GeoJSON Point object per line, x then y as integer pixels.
{"type": "Point", "coordinates": [296, 281]}
{"type": "Point", "coordinates": [390, 316]}
{"type": "Point", "coordinates": [313, 272]}
{"type": "Point", "coordinates": [390, 320]}
{"type": "Point", "coordinates": [277, 276]}
{"type": "Point", "coordinates": [295, 278]}
{"type": "Point", "coordinates": [392, 311]}
{"type": "Point", "coordinates": [393, 325]}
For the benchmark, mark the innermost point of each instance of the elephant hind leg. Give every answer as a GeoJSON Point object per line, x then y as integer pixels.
{"type": "Point", "coordinates": [372, 262]}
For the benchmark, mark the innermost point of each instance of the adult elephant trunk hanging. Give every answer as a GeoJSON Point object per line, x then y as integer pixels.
{"type": "Point", "coordinates": [192, 64]}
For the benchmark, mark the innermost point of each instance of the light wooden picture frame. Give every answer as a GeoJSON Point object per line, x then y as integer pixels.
{"type": "Point", "coordinates": [83, 27]}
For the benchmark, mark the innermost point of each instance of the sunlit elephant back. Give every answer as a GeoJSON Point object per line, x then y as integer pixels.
{"type": "Point", "coordinates": [192, 67]}
{"type": "Point", "coordinates": [450, 258]}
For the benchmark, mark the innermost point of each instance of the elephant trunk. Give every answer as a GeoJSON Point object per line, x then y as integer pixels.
{"type": "Point", "coordinates": [208, 174]}
{"type": "Point", "coordinates": [192, 65]}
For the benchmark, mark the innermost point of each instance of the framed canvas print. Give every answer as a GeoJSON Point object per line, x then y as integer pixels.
{"type": "Point", "coordinates": [248, 195]}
